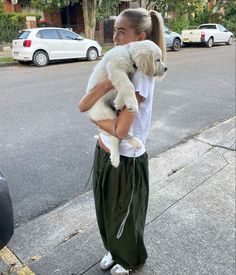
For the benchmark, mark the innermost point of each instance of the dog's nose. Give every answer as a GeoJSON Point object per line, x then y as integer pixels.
{"type": "Point", "coordinates": [166, 69]}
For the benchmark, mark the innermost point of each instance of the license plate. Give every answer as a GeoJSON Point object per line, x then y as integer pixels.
{"type": "Point", "coordinates": [15, 53]}
{"type": "Point", "coordinates": [186, 39]}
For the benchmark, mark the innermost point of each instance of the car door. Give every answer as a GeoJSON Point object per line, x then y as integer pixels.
{"type": "Point", "coordinates": [224, 35]}
{"type": "Point", "coordinates": [168, 37]}
{"type": "Point", "coordinates": [52, 43]}
{"type": "Point", "coordinates": [75, 45]}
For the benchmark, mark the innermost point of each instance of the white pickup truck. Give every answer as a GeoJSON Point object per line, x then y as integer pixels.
{"type": "Point", "coordinates": [208, 34]}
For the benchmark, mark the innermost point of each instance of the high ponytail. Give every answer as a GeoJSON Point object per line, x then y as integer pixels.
{"type": "Point", "coordinates": [157, 34]}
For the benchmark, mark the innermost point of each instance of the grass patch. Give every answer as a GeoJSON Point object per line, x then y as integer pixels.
{"type": "Point", "coordinates": [106, 48]}
{"type": "Point", "coordinates": [6, 59]}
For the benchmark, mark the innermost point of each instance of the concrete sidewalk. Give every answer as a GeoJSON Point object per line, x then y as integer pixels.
{"type": "Point", "coordinates": [190, 222]}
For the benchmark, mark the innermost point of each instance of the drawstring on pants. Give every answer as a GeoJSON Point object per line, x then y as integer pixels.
{"type": "Point", "coordinates": [122, 226]}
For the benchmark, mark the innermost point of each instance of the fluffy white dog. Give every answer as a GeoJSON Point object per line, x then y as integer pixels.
{"type": "Point", "coordinates": [118, 65]}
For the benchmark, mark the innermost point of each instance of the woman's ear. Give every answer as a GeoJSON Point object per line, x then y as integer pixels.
{"type": "Point", "coordinates": [142, 36]}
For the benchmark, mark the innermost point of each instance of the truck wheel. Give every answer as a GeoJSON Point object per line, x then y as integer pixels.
{"type": "Point", "coordinates": [176, 45]}
{"type": "Point", "coordinates": [230, 41]}
{"type": "Point", "coordinates": [209, 43]}
{"type": "Point", "coordinates": [40, 59]}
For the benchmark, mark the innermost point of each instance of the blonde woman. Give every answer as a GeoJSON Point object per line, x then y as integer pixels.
{"type": "Point", "coordinates": [121, 194]}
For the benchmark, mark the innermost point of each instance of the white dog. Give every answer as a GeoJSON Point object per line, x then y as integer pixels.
{"type": "Point", "coordinates": [118, 65]}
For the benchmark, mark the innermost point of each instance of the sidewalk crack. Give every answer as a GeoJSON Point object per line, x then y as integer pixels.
{"type": "Point", "coordinates": [217, 146]}
{"type": "Point", "coordinates": [187, 193]}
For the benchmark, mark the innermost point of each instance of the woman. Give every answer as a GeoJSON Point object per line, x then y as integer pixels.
{"type": "Point", "coordinates": [121, 194]}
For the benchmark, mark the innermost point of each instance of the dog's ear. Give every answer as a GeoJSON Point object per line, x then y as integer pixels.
{"type": "Point", "coordinates": [146, 63]}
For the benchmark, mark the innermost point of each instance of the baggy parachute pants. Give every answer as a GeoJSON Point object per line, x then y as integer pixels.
{"type": "Point", "coordinates": [112, 193]}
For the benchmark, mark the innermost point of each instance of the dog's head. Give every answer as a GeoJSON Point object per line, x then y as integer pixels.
{"type": "Point", "coordinates": [147, 57]}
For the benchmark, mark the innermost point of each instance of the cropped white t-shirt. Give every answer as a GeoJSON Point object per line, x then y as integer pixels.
{"type": "Point", "coordinates": [144, 85]}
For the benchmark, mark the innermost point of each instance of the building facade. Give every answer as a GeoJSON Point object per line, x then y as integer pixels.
{"type": "Point", "coordinates": [68, 17]}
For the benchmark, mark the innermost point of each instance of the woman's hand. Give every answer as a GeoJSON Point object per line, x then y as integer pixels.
{"type": "Point", "coordinates": [120, 126]}
{"type": "Point", "coordinates": [94, 94]}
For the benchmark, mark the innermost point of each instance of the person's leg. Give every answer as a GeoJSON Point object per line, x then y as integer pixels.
{"type": "Point", "coordinates": [112, 191]}
{"type": "Point", "coordinates": [129, 250]}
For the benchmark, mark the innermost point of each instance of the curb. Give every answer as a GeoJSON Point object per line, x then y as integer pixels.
{"type": "Point", "coordinates": [8, 64]}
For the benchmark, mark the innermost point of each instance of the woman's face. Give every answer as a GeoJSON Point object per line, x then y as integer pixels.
{"type": "Point", "coordinates": [123, 33]}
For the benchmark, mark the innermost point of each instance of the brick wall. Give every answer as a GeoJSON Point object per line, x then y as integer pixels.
{"type": "Point", "coordinates": [53, 18]}
{"type": "Point", "coordinates": [8, 7]}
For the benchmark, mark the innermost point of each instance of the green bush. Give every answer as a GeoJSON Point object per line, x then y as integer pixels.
{"type": "Point", "coordinates": [179, 24]}
{"type": "Point", "coordinates": [230, 25]}
{"type": "Point", "coordinates": [11, 23]}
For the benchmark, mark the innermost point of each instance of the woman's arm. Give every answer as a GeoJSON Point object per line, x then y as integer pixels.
{"type": "Point", "coordinates": [119, 127]}
{"type": "Point", "coordinates": [94, 94]}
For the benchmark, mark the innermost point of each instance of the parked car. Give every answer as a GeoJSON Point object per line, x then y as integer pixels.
{"type": "Point", "coordinates": [208, 34]}
{"type": "Point", "coordinates": [42, 45]}
{"type": "Point", "coordinates": [173, 39]}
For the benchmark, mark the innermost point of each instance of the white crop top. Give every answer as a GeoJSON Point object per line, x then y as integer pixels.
{"type": "Point", "coordinates": [144, 85]}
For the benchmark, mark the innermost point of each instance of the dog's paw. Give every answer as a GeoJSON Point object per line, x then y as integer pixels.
{"type": "Point", "coordinates": [132, 106]}
{"type": "Point", "coordinates": [119, 103]}
{"type": "Point", "coordinates": [115, 160]}
{"type": "Point", "coordinates": [135, 143]}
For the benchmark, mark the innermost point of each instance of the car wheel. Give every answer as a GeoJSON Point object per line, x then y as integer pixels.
{"type": "Point", "coordinates": [230, 41]}
{"type": "Point", "coordinates": [176, 45]}
{"type": "Point", "coordinates": [40, 58]}
{"type": "Point", "coordinates": [92, 54]}
{"type": "Point", "coordinates": [209, 43]}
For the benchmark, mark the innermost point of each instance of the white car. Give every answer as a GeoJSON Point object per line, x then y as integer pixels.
{"type": "Point", "coordinates": [173, 39]}
{"type": "Point", "coordinates": [208, 34]}
{"type": "Point", "coordinates": [42, 45]}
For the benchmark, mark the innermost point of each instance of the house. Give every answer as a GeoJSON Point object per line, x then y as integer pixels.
{"type": "Point", "coordinates": [68, 17]}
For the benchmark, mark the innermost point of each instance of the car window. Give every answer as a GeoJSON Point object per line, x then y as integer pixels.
{"type": "Point", "coordinates": [166, 29]}
{"type": "Point", "coordinates": [68, 35]}
{"type": "Point", "coordinates": [208, 27]}
{"type": "Point", "coordinates": [48, 34]}
{"type": "Point", "coordinates": [221, 28]}
{"type": "Point", "coordinates": [23, 35]}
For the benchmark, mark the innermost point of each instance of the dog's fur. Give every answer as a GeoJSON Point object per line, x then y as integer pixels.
{"type": "Point", "coordinates": [118, 65]}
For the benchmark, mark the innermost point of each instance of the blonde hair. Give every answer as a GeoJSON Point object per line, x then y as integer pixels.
{"type": "Point", "coordinates": [150, 22]}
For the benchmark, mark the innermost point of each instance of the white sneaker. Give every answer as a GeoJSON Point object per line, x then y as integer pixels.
{"type": "Point", "coordinates": [106, 262]}
{"type": "Point", "coordinates": [119, 270]}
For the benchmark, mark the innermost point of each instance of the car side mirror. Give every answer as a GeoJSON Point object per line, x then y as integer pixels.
{"type": "Point", "coordinates": [79, 38]}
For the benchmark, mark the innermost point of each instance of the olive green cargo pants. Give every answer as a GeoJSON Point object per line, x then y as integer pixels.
{"type": "Point", "coordinates": [113, 189]}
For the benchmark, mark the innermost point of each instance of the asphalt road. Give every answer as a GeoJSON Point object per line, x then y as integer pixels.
{"type": "Point", "coordinates": [47, 145]}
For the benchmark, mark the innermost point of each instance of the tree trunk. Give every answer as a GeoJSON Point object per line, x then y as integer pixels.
{"type": "Point", "coordinates": [89, 12]}
{"type": "Point", "coordinates": [211, 4]}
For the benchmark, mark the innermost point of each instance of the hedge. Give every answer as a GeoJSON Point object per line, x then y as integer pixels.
{"type": "Point", "coordinates": [11, 23]}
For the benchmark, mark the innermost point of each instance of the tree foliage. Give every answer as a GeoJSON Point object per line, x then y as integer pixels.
{"type": "Point", "coordinates": [52, 5]}
{"type": "Point", "coordinates": [106, 8]}
{"type": "Point", "coordinates": [179, 7]}
{"type": "Point", "coordinates": [103, 9]}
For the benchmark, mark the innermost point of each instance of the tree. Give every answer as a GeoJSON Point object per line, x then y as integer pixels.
{"type": "Point", "coordinates": [52, 5]}
{"type": "Point", "coordinates": [91, 10]}
{"type": "Point", "coordinates": [179, 7]}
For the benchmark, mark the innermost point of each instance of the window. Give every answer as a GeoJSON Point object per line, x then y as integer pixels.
{"type": "Point", "coordinates": [221, 28]}
{"type": "Point", "coordinates": [208, 27]}
{"type": "Point", "coordinates": [23, 35]}
{"type": "Point", "coordinates": [48, 34]}
{"type": "Point", "coordinates": [68, 35]}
